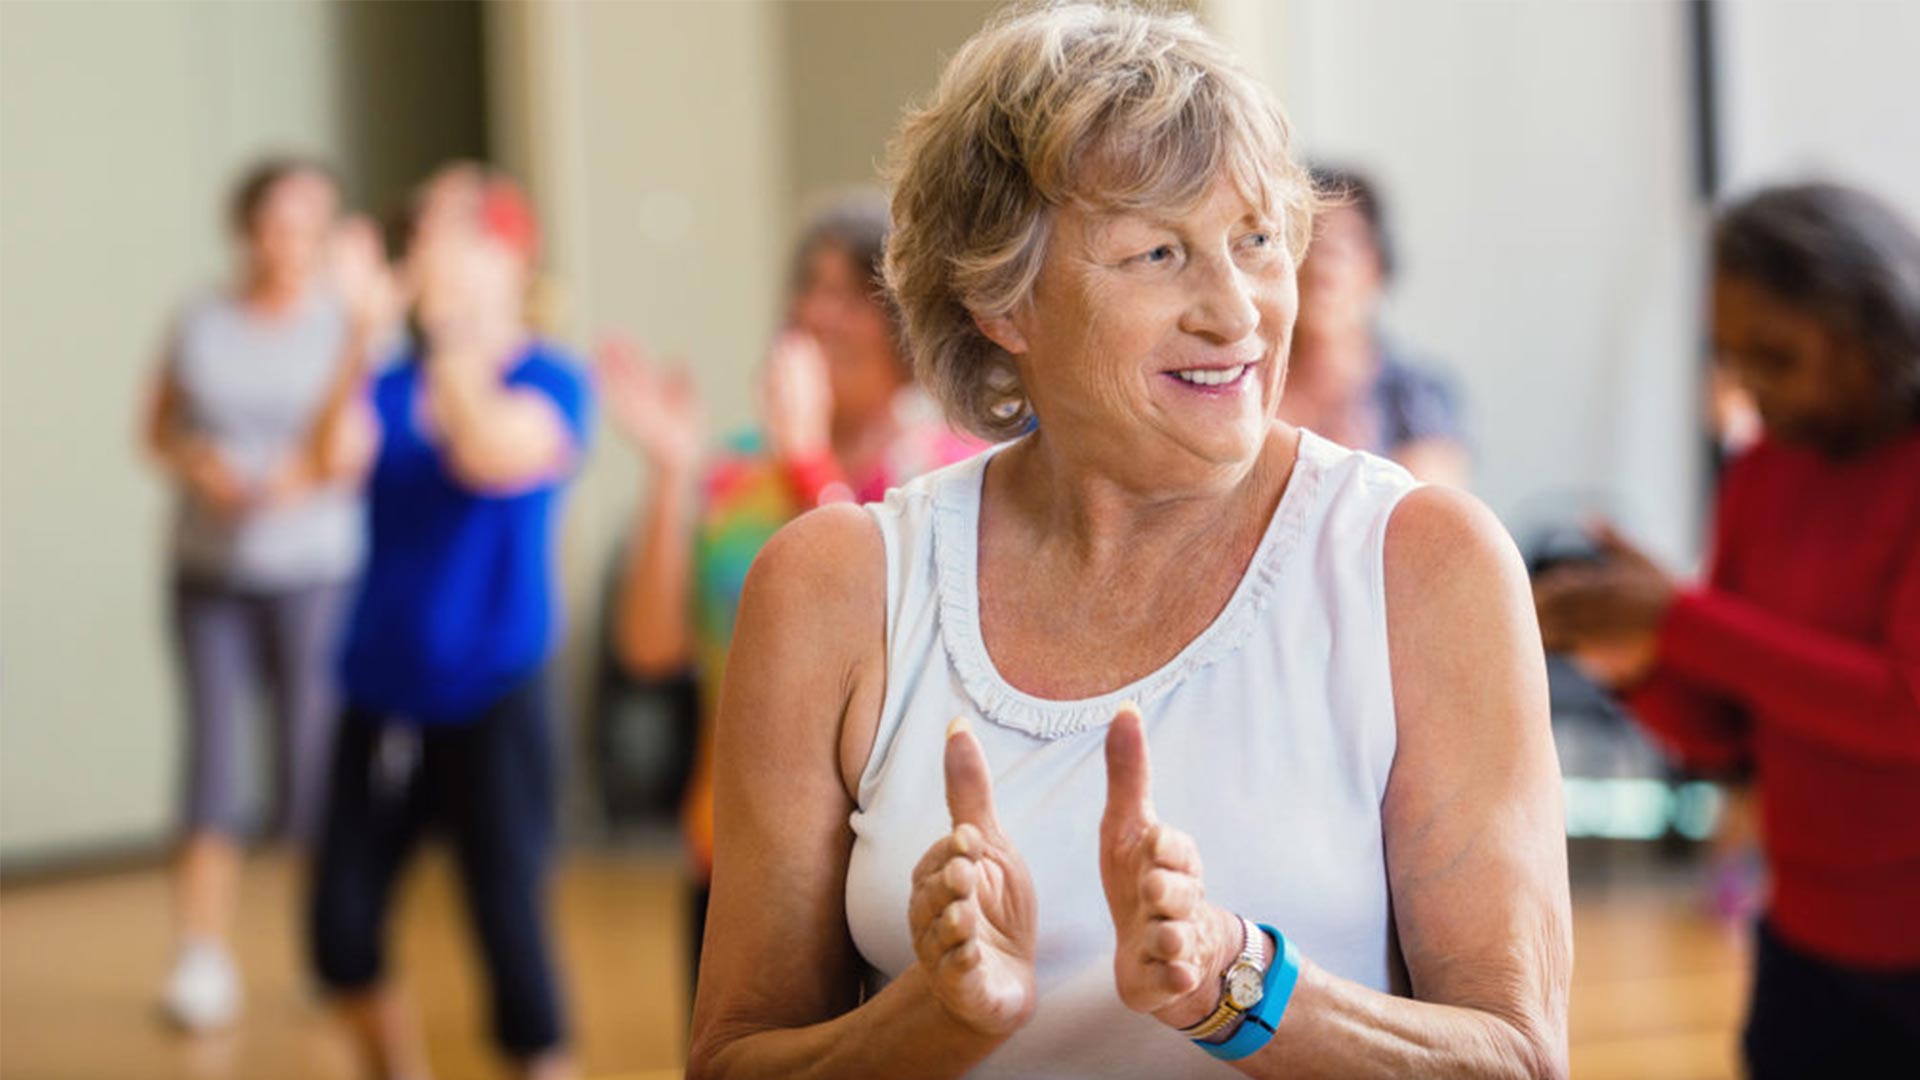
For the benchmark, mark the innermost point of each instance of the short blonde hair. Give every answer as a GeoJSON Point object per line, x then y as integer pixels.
{"type": "Point", "coordinates": [1098, 107]}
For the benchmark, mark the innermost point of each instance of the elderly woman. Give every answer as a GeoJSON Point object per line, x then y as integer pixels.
{"type": "Point", "coordinates": [1336, 673]}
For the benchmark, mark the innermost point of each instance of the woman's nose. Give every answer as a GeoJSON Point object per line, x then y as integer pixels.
{"type": "Point", "coordinates": [1223, 305]}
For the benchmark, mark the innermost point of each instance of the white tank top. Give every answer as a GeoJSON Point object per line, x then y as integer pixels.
{"type": "Point", "coordinates": [1272, 734]}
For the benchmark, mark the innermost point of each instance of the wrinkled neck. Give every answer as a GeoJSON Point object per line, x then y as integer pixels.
{"type": "Point", "coordinates": [1102, 516]}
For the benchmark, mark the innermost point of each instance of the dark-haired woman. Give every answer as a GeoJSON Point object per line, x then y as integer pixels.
{"type": "Point", "coordinates": [1801, 652]}
{"type": "Point", "coordinates": [263, 546]}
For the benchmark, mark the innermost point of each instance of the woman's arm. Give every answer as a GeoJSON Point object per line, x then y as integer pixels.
{"type": "Point", "coordinates": [659, 412]}
{"type": "Point", "coordinates": [163, 431]}
{"type": "Point", "coordinates": [190, 459]}
{"type": "Point", "coordinates": [1703, 731]}
{"type": "Point", "coordinates": [653, 624]}
{"type": "Point", "coordinates": [1854, 697]}
{"type": "Point", "coordinates": [344, 437]}
{"type": "Point", "coordinates": [498, 439]}
{"type": "Point", "coordinates": [1476, 847]}
{"type": "Point", "coordinates": [779, 982]}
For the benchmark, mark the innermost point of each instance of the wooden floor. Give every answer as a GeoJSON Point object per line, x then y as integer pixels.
{"type": "Point", "coordinates": [1658, 989]}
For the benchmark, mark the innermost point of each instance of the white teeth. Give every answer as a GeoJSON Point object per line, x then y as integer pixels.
{"type": "Point", "coordinates": [1213, 377]}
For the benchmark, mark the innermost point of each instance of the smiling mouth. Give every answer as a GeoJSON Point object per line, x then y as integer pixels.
{"type": "Point", "coordinates": [1212, 378]}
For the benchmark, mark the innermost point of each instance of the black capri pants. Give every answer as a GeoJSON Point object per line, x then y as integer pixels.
{"type": "Point", "coordinates": [1810, 1017]}
{"type": "Point", "coordinates": [488, 786]}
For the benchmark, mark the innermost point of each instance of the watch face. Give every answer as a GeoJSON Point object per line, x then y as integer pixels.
{"type": "Point", "coordinates": [1246, 985]}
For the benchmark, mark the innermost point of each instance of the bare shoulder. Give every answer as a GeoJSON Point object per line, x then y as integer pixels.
{"type": "Point", "coordinates": [1441, 539]}
{"type": "Point", "coordinates": [1464, 644]}
{"type": "Point", "coordinates": [827, 565]}
{"type": "Point", "coordinates": [813, 613]}
{"type": "Point", "coordinates": [812, 629]}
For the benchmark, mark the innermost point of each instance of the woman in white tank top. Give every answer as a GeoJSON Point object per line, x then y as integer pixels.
{"type": "Point", "coordinates": [1248, 764]}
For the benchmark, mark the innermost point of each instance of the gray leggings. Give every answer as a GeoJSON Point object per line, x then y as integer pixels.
{"type": "Point", "coordinates": [232, 643]}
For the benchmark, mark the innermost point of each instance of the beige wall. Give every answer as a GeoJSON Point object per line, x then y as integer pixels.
{"type": "Point", "coordinates": [121, 127]}
{"type": "Point", "coordinates": [852, 66]}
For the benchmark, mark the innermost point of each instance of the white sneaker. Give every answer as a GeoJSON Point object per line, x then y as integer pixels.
{"type": "Point", "coordinates": [203, 993]}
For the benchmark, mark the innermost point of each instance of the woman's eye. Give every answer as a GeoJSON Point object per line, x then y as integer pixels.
{"type": "Point", "coordinates": [1162, 254]}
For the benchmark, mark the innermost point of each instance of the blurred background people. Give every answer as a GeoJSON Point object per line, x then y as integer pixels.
{"type": "Point", "coordinates": [841, 420]}
{"type": "Point", "coordinates": [1801, 651]}
{"type": "Point", "coordinates": [448, 723]}
{"type": "Point", "coordinates": [263, 546]}
{"type": "Point", "coordinates": [1346, 380]}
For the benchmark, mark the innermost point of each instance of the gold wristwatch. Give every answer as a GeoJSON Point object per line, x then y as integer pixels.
{"type": "Point", "coordinates": [1241, 988]}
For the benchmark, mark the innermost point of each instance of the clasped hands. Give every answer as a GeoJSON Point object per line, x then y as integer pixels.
{"type": "Point", "coordinates": [972, 913]}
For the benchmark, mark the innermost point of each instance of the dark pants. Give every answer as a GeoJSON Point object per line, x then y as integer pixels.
{"type": "Point", "coordinates": [1812, 1018]}
{"type": "Point", "coordinates": [232, 643]}
{"type": "Point", "coordinates": [488, 784]}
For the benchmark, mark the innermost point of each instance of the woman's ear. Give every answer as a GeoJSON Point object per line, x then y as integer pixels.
{"type": "Point", "coordinates": [1002, 332]}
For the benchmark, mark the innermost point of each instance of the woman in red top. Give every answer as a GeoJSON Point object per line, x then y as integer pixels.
{"type": "Point", "coordinates": [1801, 652]}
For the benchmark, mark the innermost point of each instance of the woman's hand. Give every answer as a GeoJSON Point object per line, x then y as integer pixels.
{"type": "Point", "coordinates": [212, 482]}
{"type": "Point", "coordinates": [366, 283]}
{"type": "Point", "coordinates": [658, 411]}
{"type": "Point", "coordinates": [1170, 945]}
{"type": "Point", "coordinates": [289, 481]}
{"type": "Point", "coordinates": [972, 912]}
{"type": "Point", "coordinates": [796, 398]}
{"type": "Point", "coordinates": [1606, 616]}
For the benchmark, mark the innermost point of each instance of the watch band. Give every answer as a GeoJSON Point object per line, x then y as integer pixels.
{"type": "Point", "coordinates": [1265, 1016]}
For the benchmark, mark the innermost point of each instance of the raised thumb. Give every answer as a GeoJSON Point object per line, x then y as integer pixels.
{"type": "Point", "coordinates": [969, 781]}
{"type": "Point", "coordinates": [1129, 773]}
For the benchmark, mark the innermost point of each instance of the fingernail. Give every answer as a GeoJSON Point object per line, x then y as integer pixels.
{"type": "Point", "coordinates": [955, 726]}
{"type": "Point", "coordinates": [1131, 706]}
{"type": "Point", "coordinates": [960, 841]}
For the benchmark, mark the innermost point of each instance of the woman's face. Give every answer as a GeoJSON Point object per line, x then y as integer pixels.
{"type": "Point", "coordinates": [1158, 341]}
{"type": "Point", "coordinates": [287, 237]}
{"type": "Point", "coordinates": [835, 306]}
{"type": "Point", "coordinates": [1812, 385]}
{"type": "Point", "coordinates": [1341, 280]}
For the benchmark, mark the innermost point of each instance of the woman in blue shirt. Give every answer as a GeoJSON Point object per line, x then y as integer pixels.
{"type": "Point", "coordinates": [447, 725]}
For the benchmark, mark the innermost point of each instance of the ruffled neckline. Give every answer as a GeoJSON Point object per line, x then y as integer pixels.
{"type": "Point", "coordinates": [956, 537]}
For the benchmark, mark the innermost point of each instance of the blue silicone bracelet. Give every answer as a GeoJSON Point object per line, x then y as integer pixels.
{"type": "Point", "coordinates": [1257, 1026]}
